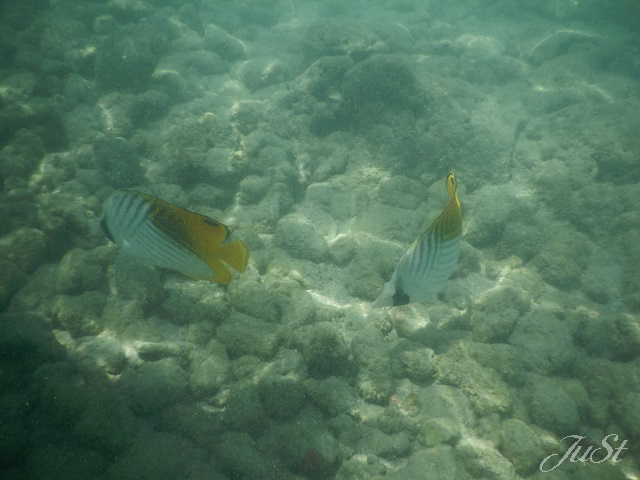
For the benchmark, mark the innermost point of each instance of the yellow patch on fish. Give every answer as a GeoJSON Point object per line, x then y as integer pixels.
{"type": "Point", "coordinates": [427, 265]}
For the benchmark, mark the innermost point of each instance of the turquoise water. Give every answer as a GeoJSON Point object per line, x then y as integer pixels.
{"type": "Point", "coordinates": [321, 133]}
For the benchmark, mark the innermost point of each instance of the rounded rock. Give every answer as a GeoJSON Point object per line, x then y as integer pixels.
{"type": "Point", "coordinates": [154, 385]}
{"type": "Point", "coordinates": [300, 239]}
{"type": "Point", "coordinates": [243, 411]}
{"type": "Point", "coordinates": [101, 353]}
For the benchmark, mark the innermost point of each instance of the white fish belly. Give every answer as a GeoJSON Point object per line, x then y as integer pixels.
{"type": "Point", "coordinates": [426, 267]}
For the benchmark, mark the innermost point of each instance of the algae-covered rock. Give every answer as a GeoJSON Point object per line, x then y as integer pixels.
{"type": "Point", "coordinates": [362, 281]}
{"type": "Point", "coordinates": [414, 361]}
{"type": "Point", "coordinates": [562, 260]}
{"type": "Point", "coordinates": [173, 84]}
{"type": "Point", "coordinates": [507, 360]}
{"type": "Point", "coordinates": [331, 395]}
{"type": "Point", "coordinates": [254, 299]}
{"type": "Point", "coordinates": [339, 201]}
{"type": "Point", "coordinates": [525, 446]}
{"type": "Point", "coordinates": [107, 422]}
{"type": "Point", "coordinates": [57, 461]}
{"type": "Point", "coordinates": [154, 351]}
{"type": "Point", "coordinates": [87, 405]}
{"type": "Point", "coordinates": [282, 396]}
{"type": "Point", "coordinates": [443, 401]}
{"type": "Point", "coordinates": [102, 353]}
{"type": "Point", "coordinates": [154, 386]}
{"type": "Point", "coordinates": [486, 390]}
{"type": "Point", "coordinates": [440, 430]}
{"type": "Point", "coordinates": [298, 308]}
{"type": "Point", "coordinates": [114, 115]}
{"type": "Point", "coordinates": [300, 239]}
{"type": "Point", "coordinates": [480, 459]}
{"type": "Point", "coordinates": [390, 446]}
{"type": "Point", "coordinates": [205, 63]}
{"type": "Point", "coordinates": [370, 350]}
{"type": "Point", "coordinates": [11, 281]}
{"type": "Point", "coordinates": [25, 247]}
{"type": "Point", "coordinates": [491, 209]}
{"type": "Point", "coordinates": [117, 160]}
{"type": "Point", "coordinates": [289, 362]}
{"type": "Point", "coordinates": [195, 303]}
{"type": "Point", "coordinates": [625, 411]}
{"type": "Point", "coordinates": [245, 335]}
{"type": "Point", "coordinates": [63, 217]}
{"type": "Point", "coordinates": [161, 456]}
{"type": "Point", "coordinates": [78, 271]}
{"type": "Point", "coordinates": [277, 202]}
{"type": "Point", "coordinates": [79, 314]}
{"type": "Point", "coordinates": [261, 72]}
{"type": "Point", "coordinates": [375, 386]}
{"type": "Point", "coordinates": [545, 341]}
{"type": "Point", "coordinates": [309, 450]}
{"type": "Point", "coordinates": [323, 77]}
{"type": "Point", "coordinates": [244, 411]}
{"type": "Point", "coordinates": [340, 39]}
{"type": "Point", "coordinates": [342, 250]}
{"type": "Point", "coordinates": [616, 336]}
{"type": "Point", "coordinates": [210, 371]}
{"type": "Point", "coordinates": [551, 406]}
{"type": "Point", "coordinates": [240, 455]}
{"type": "Point", "coordinates": [246, 367]}
{"type": "Point", "coordinates": [252, 189]}
{"type": "Point", "coordinates": [227, 46]}
{"type": "Point", "coordinates": [324, 349]}
{"type": "Point", "coordinates": [382, 83]}
{"type": "Point", "coordinates": [21, 156]}
{"type": "Point", "coordinates": [43, 119]}
{"type": "Point", "coordinates": [123, 64]}
{"type": "Point", "coordinates": [524, 241]}
{"type": "Point", "coordinates": [403, 192]}
{"type": "Point", "coordinates": [371, 353]}
{"type": "Point", "coordinates": [13, 416]}
{"type": "Point", "coordinates": [33, 296]}
{"type": "Point", "coordinates": [493, 316]}
{"type": "Point", "coordinates": [438, 327]}
{"type": "Point", "coordinates": [439, 462]}
{"type": "Point", "coordinates": [151, 104]}
{"type": "Point", "coordinates": [138, 281]}
{"type": "Point", "coordinates": [26, 342]}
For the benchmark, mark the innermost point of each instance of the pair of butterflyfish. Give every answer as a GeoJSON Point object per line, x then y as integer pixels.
{"type": "Point", "coordinates": [160, 234]}
{"type": "Point", "coordinates": [163, 235]}
{"type": "Point", "coordinates": [426, 266]}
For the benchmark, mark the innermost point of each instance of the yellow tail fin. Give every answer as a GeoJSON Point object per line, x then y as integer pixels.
{"type": "Point", "coordinates": [234, 254]}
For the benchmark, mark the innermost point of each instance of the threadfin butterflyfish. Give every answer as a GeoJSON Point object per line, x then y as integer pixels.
{"type": "Point", "coordinates": [158, 233]}
{"type": "Point", "coordinates": [427, 265]}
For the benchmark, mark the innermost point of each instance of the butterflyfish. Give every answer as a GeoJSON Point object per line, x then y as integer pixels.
{"type": "Point", "coordinates": [427, 265]}
{"type": "Point", "coordinates": [164, 235]}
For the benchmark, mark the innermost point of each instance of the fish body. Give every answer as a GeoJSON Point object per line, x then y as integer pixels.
{"type": "Point", "coordinates": [427, 265]}
{"type": "Point", "coordinates": [158, 233]}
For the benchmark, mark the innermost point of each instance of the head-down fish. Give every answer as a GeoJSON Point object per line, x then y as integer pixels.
{"type": "Point", "coordinates": [427, 265]}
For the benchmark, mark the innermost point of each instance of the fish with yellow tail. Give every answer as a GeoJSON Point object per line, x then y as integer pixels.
{"type": "Point", "coordinates": [427, 265]}
{"type": "Point", "coordinates": [160, 234]}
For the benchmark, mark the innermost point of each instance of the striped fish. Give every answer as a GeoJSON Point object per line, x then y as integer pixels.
{"type": "Point", "coordinates": [427, 265]}
{"type": "Point", "coordinates": [164, 235]}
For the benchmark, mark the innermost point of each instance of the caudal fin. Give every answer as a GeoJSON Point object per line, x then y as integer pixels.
{"type": "Point", "coordinates": [235, 254]}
